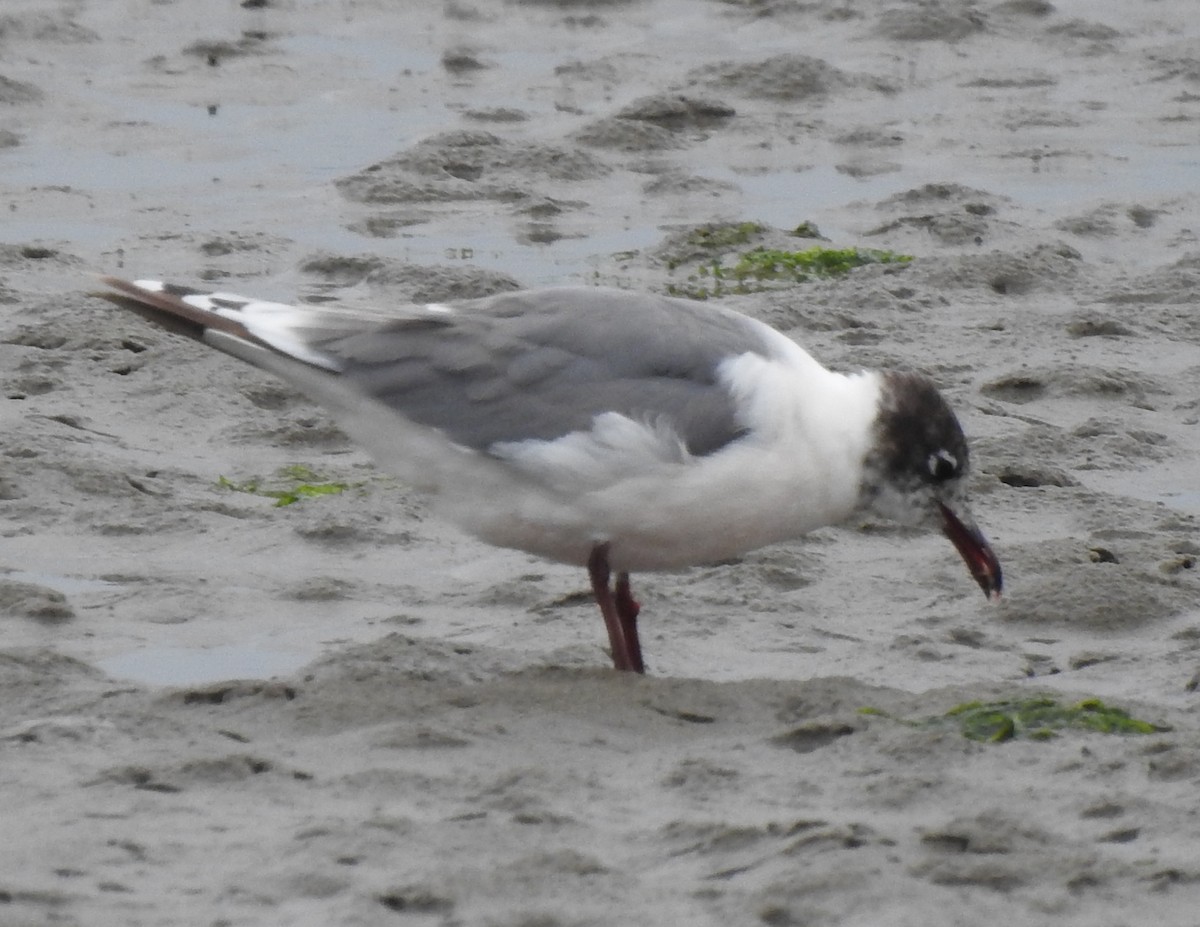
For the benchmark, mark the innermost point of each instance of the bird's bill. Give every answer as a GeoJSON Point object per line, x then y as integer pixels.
{"type": "Point", "coordinates": [973, 547]}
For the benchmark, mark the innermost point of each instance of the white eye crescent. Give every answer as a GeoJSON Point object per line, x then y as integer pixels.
{"type": "Point", "coordinates": [943, 465]}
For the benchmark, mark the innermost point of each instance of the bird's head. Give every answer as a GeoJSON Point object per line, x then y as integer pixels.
{"type": "Point", "coordinates": [917, 470]}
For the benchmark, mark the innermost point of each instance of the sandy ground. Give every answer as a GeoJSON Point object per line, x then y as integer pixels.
{"type": "Point", "coordinates": [216, 711]}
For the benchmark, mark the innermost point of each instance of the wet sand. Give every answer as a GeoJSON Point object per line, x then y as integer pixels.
{"type": "Point", "coordinates": [342, 711]}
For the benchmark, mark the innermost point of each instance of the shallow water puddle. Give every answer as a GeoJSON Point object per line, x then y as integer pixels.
{"type": "Point", "coordinates": [779, 196]}
{"type": "Point", "coordinates": [1165, 484]}
{"type": "Point", "coordinates": [59, 582]}
{"type": "Point", "coordinates": [1186, 501]}
{"type": "Point", "coordinates": [185, 666]}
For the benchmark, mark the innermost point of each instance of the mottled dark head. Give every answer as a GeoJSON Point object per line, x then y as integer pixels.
{"type": "Point", "coordinates": [917, 469]}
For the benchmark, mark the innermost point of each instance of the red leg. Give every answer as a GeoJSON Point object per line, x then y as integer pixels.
{"type": "Point", "coordinates": [614, 611]}
{"type": "Point", "coordinates": [627, 613]}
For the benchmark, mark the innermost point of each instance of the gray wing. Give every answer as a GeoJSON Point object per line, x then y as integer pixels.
{"type": "Point", "coordinates": [541, 364]}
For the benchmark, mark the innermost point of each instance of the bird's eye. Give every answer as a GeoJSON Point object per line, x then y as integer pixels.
{"type": "Point", "coordinates": [942, 466]}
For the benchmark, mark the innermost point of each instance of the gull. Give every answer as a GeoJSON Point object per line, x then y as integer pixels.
{"type": "Point", "coordinates": [608, 429]}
